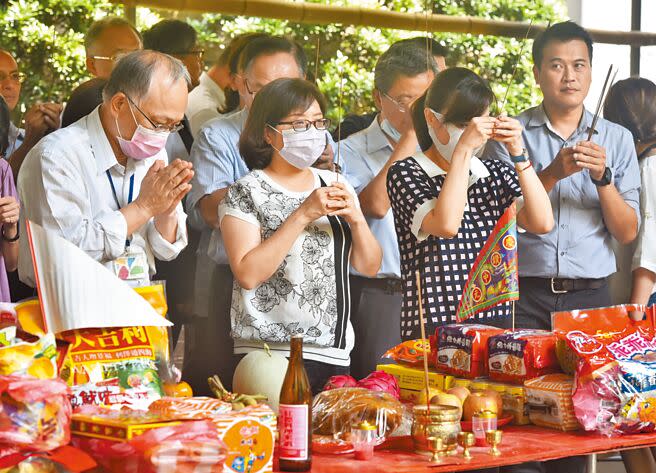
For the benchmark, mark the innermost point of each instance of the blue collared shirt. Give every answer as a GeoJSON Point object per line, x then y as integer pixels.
{"type": "Point", "coordinates": [217, 165]}
{"type": "Point", "coordinates": [368, 151]}
{"type": "Point", "coordinates": [16, 138]}
{"type": "Point", "coordinates": [579, 246]}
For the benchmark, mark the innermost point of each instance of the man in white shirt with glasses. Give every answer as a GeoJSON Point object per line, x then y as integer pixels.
{"type": "Point", "coordinates": [104, 182]}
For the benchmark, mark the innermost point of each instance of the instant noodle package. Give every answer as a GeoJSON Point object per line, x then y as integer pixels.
{"type": "Point", "coordinates": [615, 389]}
{"type": "Point", "coordinates": [517, 356]}
{"type": "Point", "coordinates": [462, 349]}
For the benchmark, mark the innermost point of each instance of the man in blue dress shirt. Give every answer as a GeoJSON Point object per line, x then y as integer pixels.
{"type": "Point", "coordinates": [402, 74]}
{"type": "Point", "coordinates": [593, 185]}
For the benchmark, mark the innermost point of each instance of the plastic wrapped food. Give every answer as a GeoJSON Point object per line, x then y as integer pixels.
{"type": "Point", "coordinates": [185, 448]}
{"type": "Point", "coordinates": [35, 413]}
{"type": "Point", "coordinates": [187, 408]}
{"type": "Point", "coordinates": [549, 400]}
{"type": "Point", "coordinates": [38, 359]}
{"type": "Point", "coordinates": [462, 349]}
{"type": "Point", "coordinates": [334, 412]}
{"type": "Point", "coordinates": [517, 356]}
{"type": "Point", "coordinates": [616, 370]}
{"type": "Point", "coordinates": [410, 352]}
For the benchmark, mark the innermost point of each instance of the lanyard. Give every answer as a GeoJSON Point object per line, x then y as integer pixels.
{"type": "Point", "coordinates": [118, 204]}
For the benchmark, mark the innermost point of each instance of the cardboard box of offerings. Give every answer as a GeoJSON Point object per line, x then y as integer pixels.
{"type": "Point", "coordinates": [411, 380]}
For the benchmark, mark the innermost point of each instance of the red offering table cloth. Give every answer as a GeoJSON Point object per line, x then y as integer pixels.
{"type": "Point", "coordinates": [520, 444]}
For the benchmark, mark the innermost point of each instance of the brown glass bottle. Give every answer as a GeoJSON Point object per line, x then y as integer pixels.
{"type": "Point", "coordinates": [295, 413]}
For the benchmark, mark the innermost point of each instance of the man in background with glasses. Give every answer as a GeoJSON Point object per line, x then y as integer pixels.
{"type": "Point", "coordinates": [39, 119]}
{"type": "Point", "coordinates": [402, 74]}
{"type": "Point", "coordinates": [104, 182]}
{"type": "Point", "coordinates": [106, 42]}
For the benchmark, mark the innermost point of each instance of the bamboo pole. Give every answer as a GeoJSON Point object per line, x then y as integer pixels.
{"type": "Point", "coordinates": [317, 13]}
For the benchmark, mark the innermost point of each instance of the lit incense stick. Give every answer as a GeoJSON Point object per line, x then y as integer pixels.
{"type": "Point", "coordinates": [339, 126]}
{"type": "Point", "coordinates": [423, 339]}
{"type": "Point", "coordinates": [514, 71]}
{"type": "Point", "coordinates": [602, 98]}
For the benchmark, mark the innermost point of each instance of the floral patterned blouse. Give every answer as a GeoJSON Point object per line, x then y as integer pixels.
{"type": "Point", "coordinates": [309, 293]}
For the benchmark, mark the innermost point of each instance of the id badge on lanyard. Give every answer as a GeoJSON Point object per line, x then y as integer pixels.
{"type": "Point", "coordinates": [132, 265]}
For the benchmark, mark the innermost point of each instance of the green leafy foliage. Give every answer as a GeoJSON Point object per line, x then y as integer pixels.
{"type": "Point", "coordinates": [47, 37]}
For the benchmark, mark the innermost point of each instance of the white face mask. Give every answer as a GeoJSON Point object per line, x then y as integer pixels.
{"type": "Point", "coordinates": [302, 149]}
{"type": "Point", "coordinates": [446, 150]}
{"type": "Point", "coordinates": [390, 131]}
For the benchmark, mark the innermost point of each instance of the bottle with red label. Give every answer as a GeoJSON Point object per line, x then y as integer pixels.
{"type": "Point", "coordinates": [295, 413]}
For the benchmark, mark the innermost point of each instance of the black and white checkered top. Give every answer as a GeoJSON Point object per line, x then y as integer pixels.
{"type": "Point", "coordinates": [413, 186]}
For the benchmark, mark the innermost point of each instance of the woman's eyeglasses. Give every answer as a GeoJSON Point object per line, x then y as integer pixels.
{"type": "Point", "coordinates": [304, 125]}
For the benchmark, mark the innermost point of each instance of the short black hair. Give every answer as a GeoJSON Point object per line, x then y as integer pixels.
{"type": "Point", "coordinates": [5, 124]}
{"type": "Point", "coordinates": [563, 32]}
{"type": "Point", "coordinates": [403, 58]}
{"type": "Point", "coordinates": [457, 93]}
{"type": "Point", "coordinates": [268, 45]}
{"type": "Point", "coordinates": [170, 37]}
{"type": "Point", "coordinates": [84, 99]}
{"type": "Point", "coordinates": [230, 57]}
{"type": "Point", "coordinates": [99, 26]}
{"type": "Point", "coordinates": [630, 103]}
{"type": "Point", "coordinates": [434, 47]}
{"type": "Point", "coordinates": [277, 100]}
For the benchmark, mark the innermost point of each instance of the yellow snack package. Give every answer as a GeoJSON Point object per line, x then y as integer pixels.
{"type": "Point", "coordinates": [38, 359]}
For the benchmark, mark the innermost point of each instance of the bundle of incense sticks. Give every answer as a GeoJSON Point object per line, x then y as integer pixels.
{"type": "Point", "coordinates": [602, 98]}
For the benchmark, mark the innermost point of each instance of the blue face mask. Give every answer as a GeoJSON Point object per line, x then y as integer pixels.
{"type": "Point", "coordinates": [390, 131]}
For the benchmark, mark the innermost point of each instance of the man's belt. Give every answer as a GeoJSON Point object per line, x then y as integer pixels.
{"type": "Point", "coordinates": [564, 285]}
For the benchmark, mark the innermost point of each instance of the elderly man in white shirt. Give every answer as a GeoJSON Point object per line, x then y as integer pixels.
{"type": "Point", "coordinates": [104, 184]}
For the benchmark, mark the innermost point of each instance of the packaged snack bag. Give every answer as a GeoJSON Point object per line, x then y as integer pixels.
{"type": "Point", "coordinates": [517, 356]}
{"type": "Point", "coordinates": [410, 352]}
{"type": "Point", "coordinates": [38, 359]}
{"type": "Point", "coordinates": [462, 349]}
{"type": "Point", "coordinates": [550, 401]}
{"type": "Point", "coordinates": [616, 368]}
{"type": "Point", "coordinates": [35, 414]}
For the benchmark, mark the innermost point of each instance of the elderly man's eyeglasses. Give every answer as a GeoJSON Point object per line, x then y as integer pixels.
{"type": "Point", "coordinates": [114, 57]}
{"type": "Point", "coordinates": [304, 125]}
{"type": "Point", "coordinates": [403, 105]}
{"type": "Point", "coordinates": [17, 77]}
{"type": "Point", "coordinates": [157, 126]}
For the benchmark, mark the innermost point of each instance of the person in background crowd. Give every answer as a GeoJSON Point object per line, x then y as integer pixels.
{"type": "Point", "coordinates": [179, 39]}
{"type": "Point", "coordinates": [291, 232]}
{"type": "Point", "coordinates": [218, 165]}
{"type": "Point", "coordinates": [446, 201]}
{"type": "Point", "coordinates": [103, 183]}
{"type": "Point", "coordinates": [593, 186]}
{"type": "Point", "coordinates": [84, 100]}
{"type": "Point", "coordinates": [630, 103]}
{"type": "Point", "coordinates": [401, 75]}
{"type": "Point", "coordinates": [39, 120]}
{"type": "Point", "coordinates": [106, 41]}
{"type": "Point", "coordinates": [9, 208]}
{"type": "Point", "coordinates": [354, 123]}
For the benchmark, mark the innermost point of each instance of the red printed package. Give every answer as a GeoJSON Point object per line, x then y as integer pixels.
{"type": "Point", "coordinates": [615, 390]}
{"type": "Point", "coordinates": [515, 357]}
{"type": "Point", "coordinates": [461, 350]}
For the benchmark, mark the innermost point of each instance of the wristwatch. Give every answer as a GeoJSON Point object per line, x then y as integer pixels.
{"type": "Point", "coordinates": [522, 158]}
{"type": "Point", "coordinates": [606, 179]}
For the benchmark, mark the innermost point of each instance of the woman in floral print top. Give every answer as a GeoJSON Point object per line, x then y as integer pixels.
{"type": "Point", "coordinates": [291, 232]}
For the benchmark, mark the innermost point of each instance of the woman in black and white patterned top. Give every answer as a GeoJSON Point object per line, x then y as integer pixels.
{"type": "Point", "coordinates": [446, 201]}
{"type": "Point", "coordinates": [291, 232]}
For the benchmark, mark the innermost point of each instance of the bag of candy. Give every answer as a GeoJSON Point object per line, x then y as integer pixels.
{"type": "Point", "coordinates": [35, 414]}
{"type": "Point", "coordinates": [615, 390]}
{"type": "Point", "coordinates": [410, 352]}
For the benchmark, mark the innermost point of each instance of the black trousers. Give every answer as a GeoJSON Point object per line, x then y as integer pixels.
{"type": "Point", "coordinates": [533, 310]}
{"type": "Point", "coordinates": [376, 319]}
{"type": "Point", "coordinates": [208, 345]}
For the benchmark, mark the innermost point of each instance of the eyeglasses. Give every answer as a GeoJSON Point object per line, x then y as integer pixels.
{"type": "Point", "coordinates": [156, 126]}
{"type": "Point", "coordinates": [16, 77]}
{"type": "Point", "coordinates": [114, 58]}
{"type": "Point", "coordinates": [402, 106]}
{"type": "Point", "coordinates": [304, 125]}
{"type": "Point", "coordinates": [194, 52]}
{"type": "Point", "coordinates": [248, 89]}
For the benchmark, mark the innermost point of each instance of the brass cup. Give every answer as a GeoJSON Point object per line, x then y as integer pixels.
{"type": "Point", "coordinates": [436, 447]}
{"type": "Point", "coordinates": [436, 421]}
{"type": "Point", "coordinates": [466, 440]}
{"type": "Point", "coordinates": [493, 437]}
